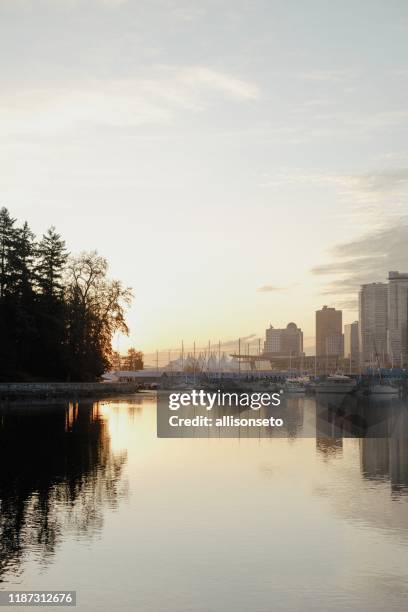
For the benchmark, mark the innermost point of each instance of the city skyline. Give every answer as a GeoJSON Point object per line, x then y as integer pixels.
{"type": "Point", "coordinates": [379, 336]}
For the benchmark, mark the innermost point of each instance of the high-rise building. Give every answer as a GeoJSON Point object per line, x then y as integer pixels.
{"type": "Point", "coordinates": [352, 341]}
{"type": "Point", "coordinates": [329, 336]}
{"type": "Point", "coordinates": [397, 318]}
{"type": "Point", "coordinates": [284, 342]}
{"type": "Point", "coordinates": [373, 309]}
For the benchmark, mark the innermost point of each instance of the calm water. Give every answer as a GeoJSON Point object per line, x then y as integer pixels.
{"type": "Point", "coordinates": [92, 501]}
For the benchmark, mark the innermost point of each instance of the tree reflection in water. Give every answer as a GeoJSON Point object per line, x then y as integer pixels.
{"type": "Point", "coordinates": [57, 473]}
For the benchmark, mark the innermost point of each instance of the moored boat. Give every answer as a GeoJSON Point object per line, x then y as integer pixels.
{"type": "Point", "coordinates": [294, 385]}
{"type": "Point", "coordinates": [337, 383]}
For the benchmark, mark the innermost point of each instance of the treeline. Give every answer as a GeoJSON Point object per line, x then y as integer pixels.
{"type": "Point", "coordinates": [58, 312]}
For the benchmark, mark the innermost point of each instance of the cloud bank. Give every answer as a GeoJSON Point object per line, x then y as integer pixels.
{"type": "Point", "coordinates": [364, 260]}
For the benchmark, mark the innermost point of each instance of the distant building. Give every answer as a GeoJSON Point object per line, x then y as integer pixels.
{"type": "Point", "coordinates": [397, 340]}
{"type": "Point", "coordinates": [284, 342]}
{"type": "Point", "coordinates": [329, 332]}
{"type": "Point", "coordinates": [352, 341]}
{"type": "Point", "coordinates": [334, 345]}
{"type": "Point", "coordinates": [373, 309]}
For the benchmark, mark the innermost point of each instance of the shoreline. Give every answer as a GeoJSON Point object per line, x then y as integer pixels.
{"type": "Point", "coordinates": [65, 390]}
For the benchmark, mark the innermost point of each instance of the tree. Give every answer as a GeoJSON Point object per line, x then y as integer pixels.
{"type": "Point", "coordinates": [22, 255]}
{"type": "Point", "coordinates": [17, 321]}
{"type": "Point", "coordinates": [7, 235]}
{"type": "Point", "coordinates": [51, 312]}
{"type": "Point", "coordinates": [95, 306]}
{"type": "Point", "coordinates": [116, 361]}
{"type": "Point", "coordinates": [134, 360]}
{"type": "Point", "coordinates": [23, 332]}
{"type": "Point", "coordinates": [52, 257]}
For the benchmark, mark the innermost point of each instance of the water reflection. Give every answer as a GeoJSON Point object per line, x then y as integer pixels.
{"type": "Point", "coordinates": [329, 447]}
{"type": "Point", "coordinates": [315, 521]}
{"type": "Point", "coordinates": [57, 474]}
{"type": "Point", "coordinates": [381, 425]}
{"type": "Point", "coordinates": [386, 459]}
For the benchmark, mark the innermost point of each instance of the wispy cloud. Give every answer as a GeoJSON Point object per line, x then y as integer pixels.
{"type": "Point", "coordinates": [156, 96]}
{"type": "Point", "coordinates": [367, 192]}
{"type": "Point", "coordinates": [350, 304]}
{"type": "Point", "coordinates": [269, 289]}
{"type": "Point", "coordinates": [331, 76]}
{"type": "Point", "coordinates": [383, 180]}
{"type": "Point", "coordinates": [274, 288]}
{"type": "Point", "coordinates": [356, 266]}
{"type": "Point", "coordinates": [220, 81]}
{"type": "Point", "coordinates": [316, 118]}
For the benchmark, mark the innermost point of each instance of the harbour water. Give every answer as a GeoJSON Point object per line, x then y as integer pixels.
{"type": "Point", "coordinates": [92, 501]}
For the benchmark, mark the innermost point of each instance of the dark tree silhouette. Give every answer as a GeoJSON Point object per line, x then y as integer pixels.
{"type": "Point", "coordinates": [57, 313]}
{"type": "Point", "coordinates": [7, 235]}
{"type": "Point", "coordinates": [51, 259]}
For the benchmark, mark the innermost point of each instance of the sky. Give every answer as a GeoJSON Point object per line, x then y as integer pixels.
{"type": "Point", "coordinates": [239, 163]}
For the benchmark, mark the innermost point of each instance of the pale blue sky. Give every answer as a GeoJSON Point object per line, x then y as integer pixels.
{"type": "Point", "coordinates": [208, 149]}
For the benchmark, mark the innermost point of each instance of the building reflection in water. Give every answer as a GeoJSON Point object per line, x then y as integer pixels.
{"type": "Point", "coordinates": [385, 456]}
{"type": "Point", "coordinates": [57, 475]}
{"type": "Point", "coordinates": [381, 425]}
